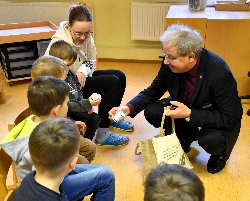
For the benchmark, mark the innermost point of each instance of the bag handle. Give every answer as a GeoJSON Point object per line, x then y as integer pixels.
{"type": "Point", "coordinates": [136, 149]}
{"type": "Point", "coordinates": [162, 134]}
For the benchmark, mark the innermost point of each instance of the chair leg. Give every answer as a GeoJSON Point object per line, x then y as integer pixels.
{"type": "Point", "coordinates": [245, 97]}
{"type": "Point", "coordinates": [2, 94]}
{"type": "Point", "coordinates": [248, 112]}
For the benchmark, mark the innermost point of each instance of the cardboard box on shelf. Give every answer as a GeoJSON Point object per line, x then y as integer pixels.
{"type": "Point", "coordinates": [27, 31]}
{"type": "Point", "coordinates": [231, 6]}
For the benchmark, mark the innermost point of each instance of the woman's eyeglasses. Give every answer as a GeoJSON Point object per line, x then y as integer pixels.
{"type": "Point", "coordinates": [79, 34]}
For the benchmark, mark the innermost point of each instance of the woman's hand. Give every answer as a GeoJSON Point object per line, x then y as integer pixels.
{"type": "Point", "coordinates": [81, 78]}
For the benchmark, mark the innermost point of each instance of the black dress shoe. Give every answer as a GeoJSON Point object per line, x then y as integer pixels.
{"type": "Point", "coordinates": [216, 163]}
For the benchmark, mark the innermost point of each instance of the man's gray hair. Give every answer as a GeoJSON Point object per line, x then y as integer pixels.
{"type": "Point", "coordinates": [185, 38]}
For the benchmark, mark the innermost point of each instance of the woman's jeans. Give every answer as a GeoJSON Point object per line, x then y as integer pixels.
{"type": "Point", "coordinates": [87, 179]}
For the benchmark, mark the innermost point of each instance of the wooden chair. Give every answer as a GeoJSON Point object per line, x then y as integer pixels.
{"type": "Point", "coordinates": [2, 94]}
{"type": "Point", "coordinates": [10, 196]}
{"type": "Point", "coordinates": [246, 97]}
{"type": "Point", "coordinates": [7, 192]}
{"type": "Point", "coordinates": [19, 118]}
{"type": "Point", "coordinates": [5, 163]}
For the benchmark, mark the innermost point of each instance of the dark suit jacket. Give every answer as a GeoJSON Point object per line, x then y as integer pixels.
{"type": "Point", "coordinates": [215, 101]}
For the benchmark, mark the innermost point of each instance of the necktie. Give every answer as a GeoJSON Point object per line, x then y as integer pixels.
{"type": "Point", "coordinates": [189, 90]}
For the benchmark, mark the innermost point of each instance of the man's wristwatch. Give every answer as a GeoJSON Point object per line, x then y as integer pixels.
{"type": "Point", "coordinates": [187, 118]}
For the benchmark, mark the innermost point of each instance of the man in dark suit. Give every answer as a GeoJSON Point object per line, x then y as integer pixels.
{"type": "Point", "coordinates": [203, 96]}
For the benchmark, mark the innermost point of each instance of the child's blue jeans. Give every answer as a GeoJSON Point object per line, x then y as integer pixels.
{"type": "Point", "coordinates": [87, 179]}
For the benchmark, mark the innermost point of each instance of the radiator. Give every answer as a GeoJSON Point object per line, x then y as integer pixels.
{"type": "Point", "coordinates": [56, 12]}
{"type": "Point", "coordinates": [148, 20]}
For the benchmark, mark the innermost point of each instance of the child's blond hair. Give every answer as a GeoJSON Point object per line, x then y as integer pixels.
{"type": "Point", "coordinates": [48, 65]}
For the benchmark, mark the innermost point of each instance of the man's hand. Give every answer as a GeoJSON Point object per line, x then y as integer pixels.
{"type": "Point", "coordinates": [115, 110]}
{"type": "Point", "coordinates": [178, 110]}
{"type": "Point", "coordinates": [81, 78]}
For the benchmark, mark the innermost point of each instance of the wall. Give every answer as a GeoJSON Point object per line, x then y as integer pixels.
{"type": "Point", "coordinates": [112, 31]}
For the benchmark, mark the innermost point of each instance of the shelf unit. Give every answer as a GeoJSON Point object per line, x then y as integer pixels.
{"type": "Point", "coordinates": [20, 45]}
{"type": "Point", "coordinates": [17, 59]}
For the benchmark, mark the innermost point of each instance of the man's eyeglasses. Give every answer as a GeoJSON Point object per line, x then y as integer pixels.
{"type": "Point", "coordinates": [169, 57]}
{"type": "Point", "coordinates": [79, 34]}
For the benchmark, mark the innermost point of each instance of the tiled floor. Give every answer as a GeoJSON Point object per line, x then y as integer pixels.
{"type": "Point", "coordinates": [232, 183]}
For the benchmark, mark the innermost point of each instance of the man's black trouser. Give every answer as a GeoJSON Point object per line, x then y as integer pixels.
{"type": "Point", "coordinates": [213, 141]}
